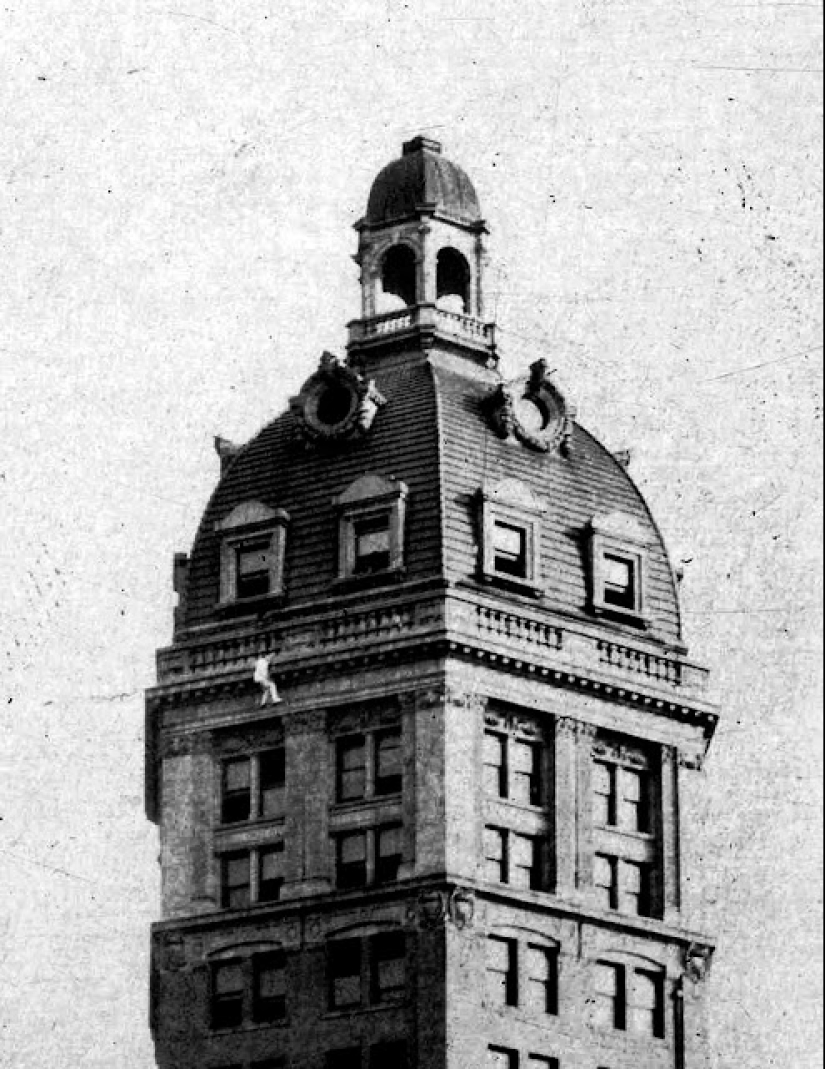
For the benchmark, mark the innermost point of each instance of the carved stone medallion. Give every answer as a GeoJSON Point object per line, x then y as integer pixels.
{"type": "Point", "coordinates": [336, 404]}
{"type": "Point", "coordinates": [532, 410]}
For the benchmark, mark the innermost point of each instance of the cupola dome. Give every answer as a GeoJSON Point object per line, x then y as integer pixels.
{"type": "Point", "coordinates": [422, 179]}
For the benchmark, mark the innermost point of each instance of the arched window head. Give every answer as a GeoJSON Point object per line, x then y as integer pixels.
{"type": "Point", "coordinates": [397, 279]}
{"type": "Point", "coordinates": [452, 282]}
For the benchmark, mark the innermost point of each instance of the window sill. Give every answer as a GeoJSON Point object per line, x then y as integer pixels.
{"type": "Point", "coordinates": [256, 824]}
{"type": "Point", "coordinates": [251, 606]}
{"type": "Point", "coordinates": [250, 1026]}
{"type": "Point", "coordinates": [633, 617]}
{"type": "Point", "coordinates": [376, 1007]}
{"type": "Point", "coordinates": [511, 582]}
{"type": "Point", "coordinates": [368, 580]}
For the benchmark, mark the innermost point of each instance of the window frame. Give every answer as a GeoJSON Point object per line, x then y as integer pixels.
{"type": "Point", "coordinates": [621, 537]}
{"type": "Point", "coordinates": [367, 500]}
{"type": "Point", "coordinates": [249, 525]}
{"type": "Point", "coordinates": [511, 504]}
{"type": "Point", "coordinates": [253, 856]}
{"type": "Point", "coordinates": [369, 742]}
{"type": "Point", "coordinates": [256, 762]}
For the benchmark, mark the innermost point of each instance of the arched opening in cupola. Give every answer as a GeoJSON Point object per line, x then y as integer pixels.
{"type": "Point", "coordinates": [452, 281]}
{"type": "Point", "coordinates": [398, 271]}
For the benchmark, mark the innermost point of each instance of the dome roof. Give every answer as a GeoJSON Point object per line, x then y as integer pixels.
{"type": "Point", "coordinates": [433, 435]}
{"type": "Point", "coordinates": [422, 176]}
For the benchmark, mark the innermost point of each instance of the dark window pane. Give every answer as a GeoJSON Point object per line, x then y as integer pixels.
{"type": "Point", "coordinates": [270, 987]}
{"type": "Point", "coordinates": [388, 962]}
{"type": "Point", "coordinates": [610, 995]}
{"type": "Point", "coordinates": [372, 545]}
{"type": "Point", "coordinates": [350, 1058]}
{"type": "Point", "coordinates": [495, 764]}
{"type": "Point", "coordinates": [526, 772]}
{"type": "Point", "coordinates": [604, 794]}
{"type": "Point", "coordinates": [605, 877]}
{"type": "Point", "coordinates": [344, 973]}
{"type": "Point", "coordinates": [647, 1015]}
{"type": "Point", "coordinates": [235, 792]}
{"type": "Point", "coordinates": [542, 979]}
{"type": "Point", "coordinates": [496, 868]}
{"type": "Point", "coordinates": [272, 780]}
{"type": "Point", "coordinates": [510, 550]}
{"type": "Point", "coordinates": [388, 762]}
{"type": "Point", "coordinates": [387, 854]}
{"type": "Point", "coordinates": [270, 872]}
{"type": "Point", "coordinates": [351, 768]}
{"type": "Point", "coordinates": [252, 574]}
{"type": "Point", "coordinates": [352, 860]}
{"type": "Point", "coordinates": [235, 889]}
{"type": "Point", "coordinates": [227, 994]}
{"type": "Point", "coordinates": [389, 1055]}
{"type": "Point", "coordinates": [502, 971]}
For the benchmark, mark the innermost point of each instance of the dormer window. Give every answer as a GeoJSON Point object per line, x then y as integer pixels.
{"type": "Point", "coordinates": [617, 566]}
{"type": "Point", "coordinates": [511, 535]}
{"type": "Point", "coordinates": [371, 528]}
{"type": "Point", "coordinates": [253, 549]}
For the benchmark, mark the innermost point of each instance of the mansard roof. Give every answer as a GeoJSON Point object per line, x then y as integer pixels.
{"type": "Point", "coordinates": [434, 435]}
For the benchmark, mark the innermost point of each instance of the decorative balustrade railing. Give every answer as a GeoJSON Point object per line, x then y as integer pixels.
{"type": "Point", "coordinates": [426, 315]}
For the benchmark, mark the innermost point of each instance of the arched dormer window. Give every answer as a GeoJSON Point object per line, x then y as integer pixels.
{"type": "Point", "coordinates": [452, 281]}
{"type": "Point", "coordinates": [253, 549]}
{"type": "Point", "coordinates": [398, 279]}
{"type": "Point", "coordinates": [618, 563]}
{"type": "Point", "coordinates": [371, 528]}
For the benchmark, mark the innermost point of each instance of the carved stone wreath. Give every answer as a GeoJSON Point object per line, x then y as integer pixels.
{"type": "Point", "coordinates": [336, 404]}
{"type": "Point", "coordinates": [533, 411]}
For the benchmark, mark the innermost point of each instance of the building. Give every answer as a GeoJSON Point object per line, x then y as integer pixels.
{"type": "Point", "coordinates": [454, 843]}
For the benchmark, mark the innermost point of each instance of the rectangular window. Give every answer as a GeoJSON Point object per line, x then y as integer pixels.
{"type": "Point", "coordinates": [351, 768]}
{"type": "Point", "coordinates": [269, 987]}
{"type": "Point", "coordinates": [270, 872]}
{"type": "Point", "coordinates": [509, 549]}
{"type": "Point", "coordinates": [388, 772]}
{"type": "Point", "coordinates": [604, 794]}
{"type": "Point", "coordinates": [344, 973]}
{"type": "Point", "coordinates": [272, 780]}
{"type": "Point", "coordinates": [236, 796]}
{"type": "Point", "coordinates": [606, 879]}
{"type": "Point", "coordinates": [227, 994]}
{"type": "Point", "coordinates": [619, 581]}
{"type": "Point", "coordinates": [389, 1055]}
{"type": "Point", "coordinates": [525, 862]}
{"type": "Point", "coordinates": [610, 995]}
{"type": "Point", "coordinates": [352, 860]}
{"type": "Point", "coordinates": [502, 971]}
{"type": "Point", "coordinates": [372, 545]}
{"type": "Point", "coordinates": [647, 1011]}
{"type": "Point", "coordinates": [235, 882]}
{"type": "Point", "coordinates": [496, 868]}
{"type": "Point", "coordinates": [502, 1058]}
{"type": "Point", "coordinates": [252, 562]}
{"type": "Point", "coordinates": [388, 954]}
{"type": "Point", "coordinates": [348, 1058]}
{"type": "Point", "coordinates": [542, 979]}
{"type": "Point", "coordinates": [387, 854]}
{"type": "Point", "coordinates": [525, 786]}
{"type": "Point", "coordinates": [634, 800]}
{"type": "Point", "coordinates": [495, 764]}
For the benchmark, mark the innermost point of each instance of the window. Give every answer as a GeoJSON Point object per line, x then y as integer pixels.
{"type": "Point", "coordinates": [269, 979]}
{"type": "Point", "coordinates": [371, 527]}
{"type": "Point", "coordinates": [388, 854]}
{"type": "Point", "coordinates": [227, 1002]}
{"type": "Point", "coordinates": [617, 566]}
{"type": "Point", "coordinates": [511, 535]}
{"type": "Point", "coordinates": [347, 1058]}
{"type": "Point", "coordinates": [513, 858]}
{"type": "Point", "coordinates": [502, 971]}
{"type": "Point", "coordinates": [610, 995]}
{"type": "Point", "coordinates": [502, 1058]}
{"type": "Point", "coordinates": [344, 973]}
{"type": "Point", "coordinates": [369, 765]}
{"type": "Point", "coordinates": [250, 876]}
{"type": "Point", "coordinates": [270, 872]}
{"type": "Point", "coordinates": [647, 1006]}
{"type": "Point", "coordinates": [235, 881]}
{"type": "Point", "coordinates": [366, 971]}
{"type": "Point", "coordinates": [513, 768]}
{"type": "Point", "coordinates": [621, 797]}
{"type": "Point", "coordinates": [542, 979]}
{"type": "Point", "coordinates": [253, 552]}
{"type": "Point", "coordinates": [622, 885]}
{"type": "Point", "coordinates": [254, 787]}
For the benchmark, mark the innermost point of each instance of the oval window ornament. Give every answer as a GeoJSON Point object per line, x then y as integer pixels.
{"type": "Point", "coordinates": [336, 404]}
{"type": "Point", "coordinates": [533, 411]}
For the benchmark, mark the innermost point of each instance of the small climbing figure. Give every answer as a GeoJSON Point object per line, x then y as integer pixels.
{"type": "Point", "coordinates": [263, 678]}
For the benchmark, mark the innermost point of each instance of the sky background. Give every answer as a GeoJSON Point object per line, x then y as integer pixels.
{"type": "Point", "coordinates": [178, 182]}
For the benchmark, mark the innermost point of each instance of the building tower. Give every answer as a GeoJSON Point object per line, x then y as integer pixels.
{"type": "Point", "coordinates": [453, 843]}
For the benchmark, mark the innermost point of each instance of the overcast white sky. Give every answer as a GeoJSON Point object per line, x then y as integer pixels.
{"type": "Point", "coordinates": [178, 183]}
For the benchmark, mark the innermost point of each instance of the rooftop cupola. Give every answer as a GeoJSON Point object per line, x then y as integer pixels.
{"type": "Point", "coordinates": [422, 256]}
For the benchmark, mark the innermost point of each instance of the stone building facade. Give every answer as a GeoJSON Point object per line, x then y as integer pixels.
{"type": "Point", "coordinates": [454, 842]}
